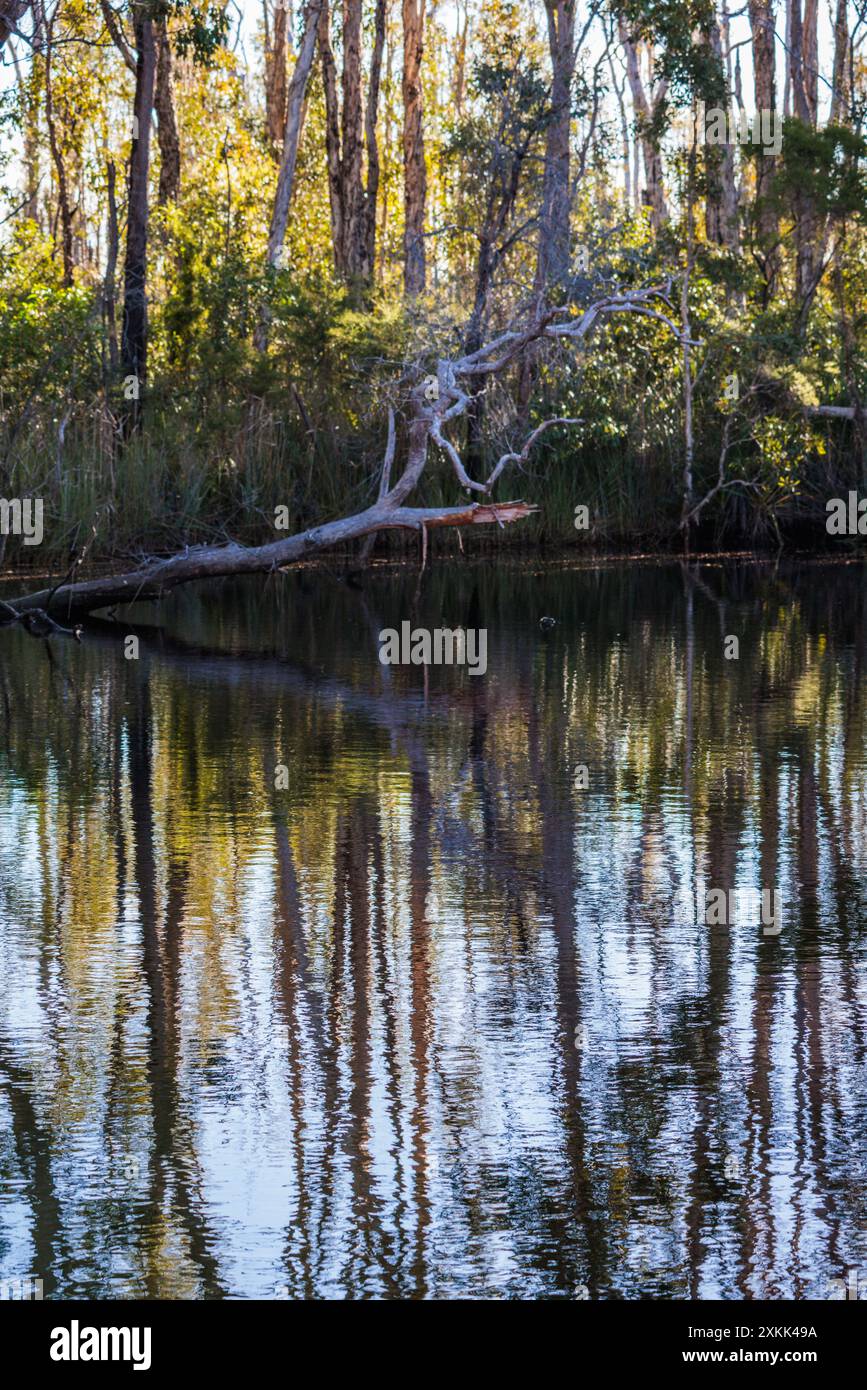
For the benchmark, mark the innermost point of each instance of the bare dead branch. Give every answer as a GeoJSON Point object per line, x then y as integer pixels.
{"type": "Point", "coordinates": [388, 460]}
{"type": "Point", "coordinates": [525, 452]}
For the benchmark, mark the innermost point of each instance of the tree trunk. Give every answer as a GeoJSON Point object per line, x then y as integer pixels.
{"type": "Point", "coordinates": [352, 146]}
{"type": "Point", "coordinates": [804, 60]}
{"type": "Point", "coordinates": [840, 80]}
{"type": "Point", "coordinates": [766, 227]}
{"type": "Point", "coordinates": [849, 361]}
{"type": "Point", "coordinates": [276, 77]}
{"type": "Point", "coordinates": [167, 130]}
{"type": "Point", "coordinates": [721, 206]}
{"type": "Point", "coordinates": [552, 260]}
{"type": "Point", "coordinates": [134, 330]}
{"type": "Point", "coordinates": [387, 142]}
{"type": "Point", "coordinates": [460, 70]}
{"type": "Point", "coordinates": [31, 156]}
{"type": "Point", "coordinates": [787, 67]}
{"type": "Point", "coordinates": [500, 201]}
{"type": "Point", "coordinates": [353, 209]}
{"type": "Point", "coordinates": [646, 109]}
{"type": "Point", "coordinates": [292, 131]}
{"type": "Point", "coordinates": [108, 288]}
{"type": "Point", "coordinates": [414, 173]}
{"type": "Point", "coordinates": [554, 247]}
{"type": "Point", "coordinates": [333, 158]}
{"type": "Point", "coordinates": [624, 135]}
{"type": "Point", "coordinates": [368, 265]}
{"type": "Point", "coordinates": [59, 161]}
{"type": "Point", "coordinates": [803, 65]}
{"type": "Point", "coordinates": [70, 601]}
{"type": "Point", "coordinates": [291, 137]}
{"type": "Point", "coordinates": [686, 335]}
{"type": "Point", "coordinates": [344, 143]}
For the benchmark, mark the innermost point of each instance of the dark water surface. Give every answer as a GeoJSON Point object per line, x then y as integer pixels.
{"type": "Point", "coordinates": [437, 1019]}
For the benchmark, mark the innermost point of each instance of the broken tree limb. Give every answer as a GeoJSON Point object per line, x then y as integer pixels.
{"type": "Point", "coordinates": [219, 562]}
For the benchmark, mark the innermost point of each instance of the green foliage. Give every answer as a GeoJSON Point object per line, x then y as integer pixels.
{"type": "Point", "coordinates": [826, 165]}
{"type": "Point", "coordinates": [47, 331]}
{"type": "Point", "coordinates": [202, 29]}
{"type": "Point", "coordinates": [691, 69]}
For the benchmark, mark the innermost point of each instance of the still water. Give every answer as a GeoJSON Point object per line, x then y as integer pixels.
{"type": "Point", "coordinates": [439, 1015]}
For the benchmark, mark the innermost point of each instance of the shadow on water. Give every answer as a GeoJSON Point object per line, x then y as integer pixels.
{"type": "Point", "coordinates": [324, 978]}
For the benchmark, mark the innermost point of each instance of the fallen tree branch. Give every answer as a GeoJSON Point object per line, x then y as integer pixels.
{"type": "Point", "coordinates": [429, 413]}
{"type": "Point", "coordinates": [217, 562]}
{"type": "Point", "coordinates": [35, 621]}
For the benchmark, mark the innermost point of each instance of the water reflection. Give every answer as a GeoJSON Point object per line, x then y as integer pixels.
{"type": "Point", "coordinates": [436, 1020]}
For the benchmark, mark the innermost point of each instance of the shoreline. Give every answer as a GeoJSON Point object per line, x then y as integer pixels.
{"type": "Point", "coordinates": [546, 557]}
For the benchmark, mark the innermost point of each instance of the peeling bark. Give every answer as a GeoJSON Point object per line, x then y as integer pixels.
{"type": "Point", "coordinates": [276, 75]}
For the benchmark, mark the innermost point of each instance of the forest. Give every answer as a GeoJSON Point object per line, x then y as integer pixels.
{"type": "Point", "coordinates": [595, 267]}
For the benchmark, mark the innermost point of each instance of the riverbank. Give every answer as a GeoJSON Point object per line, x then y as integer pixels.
{"type": "Point", "coordinates": [107, 546]}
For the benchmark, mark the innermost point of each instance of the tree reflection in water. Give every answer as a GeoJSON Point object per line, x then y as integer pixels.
{"type": "Point", "coordinates": [435, 1021]}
